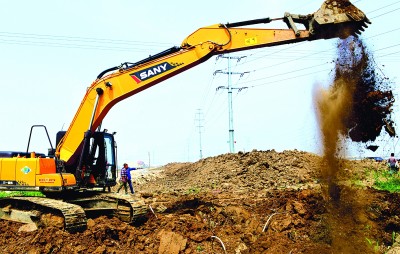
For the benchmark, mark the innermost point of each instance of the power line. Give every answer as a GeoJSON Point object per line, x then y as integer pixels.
{"type": "Point", "coordinates": [384, 7]}
{"type": "Point", "coordinates": [295, 77]}
{"type": "Point", "coordinates": [76, 42]}
{"type": "Point", "coordinates": [79, 39]}
{"type": "Point", "coordinates": [63, 45]}
{"type": "Point", "coordinates": [386, 13]}
{"type": "Point", "coordinates": [284, 73]}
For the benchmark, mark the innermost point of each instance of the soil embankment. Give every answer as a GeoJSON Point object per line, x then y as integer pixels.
{"type": "Point", "coordinates": [255, 202]}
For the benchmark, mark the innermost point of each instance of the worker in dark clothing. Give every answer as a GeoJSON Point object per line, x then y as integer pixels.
{"type": "Point", "coordinates": [128, 172]}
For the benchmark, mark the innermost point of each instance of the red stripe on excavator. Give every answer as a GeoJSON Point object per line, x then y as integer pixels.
{"type": "Point", "coordinates": [136, 79]}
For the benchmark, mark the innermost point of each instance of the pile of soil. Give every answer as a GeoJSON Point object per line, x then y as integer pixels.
{"type": "Point", "coordinates": [254, 202]}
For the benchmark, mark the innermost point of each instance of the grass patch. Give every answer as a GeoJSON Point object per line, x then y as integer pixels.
{"type": "Point", "coordinates": [373, 244]}
{"type": "Point", "coordinates": [193, 190]}
{"type": "Point", "coordinates": [387, 180]}
{"type": "Point", "coordinates": [363, 178]}
{"type": "Point", "coordinates": [5, 194]}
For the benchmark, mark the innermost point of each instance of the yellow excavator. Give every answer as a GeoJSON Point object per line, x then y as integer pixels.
{"type": "Point", "coordinates": [75, 173]}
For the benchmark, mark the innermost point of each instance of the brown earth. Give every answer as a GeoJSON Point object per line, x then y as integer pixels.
{"type": "Point", "coordinates": [255, 202]}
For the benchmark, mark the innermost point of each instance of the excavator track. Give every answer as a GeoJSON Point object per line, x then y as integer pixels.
{"type": "Point", "coordinates": [129, 208]}
{"type": "Point", "coordinates": [74, 216]}
{"type": "Point", "coordinates": [75, 211]}
{"type": "Point", "coordinates": [126, 207]}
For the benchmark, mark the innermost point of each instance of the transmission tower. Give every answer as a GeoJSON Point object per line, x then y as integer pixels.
{"type": "Point", "coordinates": [230, 101]}
{"type": "Point", "coordinates": [199, 120]}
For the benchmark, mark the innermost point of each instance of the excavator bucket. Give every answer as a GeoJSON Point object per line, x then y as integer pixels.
{"type": "Point", "coordinates": [338, 18]}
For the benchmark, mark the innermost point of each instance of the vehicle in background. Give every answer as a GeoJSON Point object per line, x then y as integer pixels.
{"type": "Point", "coordinates": [377, 159]}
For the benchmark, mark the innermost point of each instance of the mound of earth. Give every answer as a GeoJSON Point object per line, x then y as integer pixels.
{"type": "Point", "coordinates": [254, 202]}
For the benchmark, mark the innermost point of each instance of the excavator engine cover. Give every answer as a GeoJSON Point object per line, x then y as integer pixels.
{"type": "Point", "coordinates": [338, 18]}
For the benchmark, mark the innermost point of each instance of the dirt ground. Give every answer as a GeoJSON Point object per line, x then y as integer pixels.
{"type": "Point", "coordinates": [253, 202]}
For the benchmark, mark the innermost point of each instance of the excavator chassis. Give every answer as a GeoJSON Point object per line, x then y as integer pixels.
{"type": "Point", "coordinates": [74, 212]}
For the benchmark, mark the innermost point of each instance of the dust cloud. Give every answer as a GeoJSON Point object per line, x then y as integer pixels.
{"type": "Point", "coordinates": [333, 107]}
{"type": "Point", "coordinates": [356, 107]}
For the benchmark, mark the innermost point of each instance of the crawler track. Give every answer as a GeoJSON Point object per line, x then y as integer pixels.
{"type": "Point", "coordinates": [129, 209]}
{"type": "Point", "coordinates": [74, 215]}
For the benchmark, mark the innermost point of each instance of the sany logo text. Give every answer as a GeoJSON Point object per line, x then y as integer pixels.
{"type": "Point", "coordinates": [151, 72]}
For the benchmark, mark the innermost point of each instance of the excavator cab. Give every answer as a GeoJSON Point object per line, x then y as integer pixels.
{"type": "Point", "coordinates": [101, 160]}
{"type": "Point", "coordinates": [97, 164]}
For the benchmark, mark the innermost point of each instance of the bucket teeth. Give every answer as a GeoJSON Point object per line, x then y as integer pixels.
{"type": "Point", "coordinates": [338, 18]}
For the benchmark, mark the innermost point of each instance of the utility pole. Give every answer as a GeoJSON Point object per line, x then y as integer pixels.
{"type": "Point", "coordinates": [199, 119]}
{"type": "Point", "coordinates": [230, 100]}
{"type": "Point", "coordinates": [149, 159]}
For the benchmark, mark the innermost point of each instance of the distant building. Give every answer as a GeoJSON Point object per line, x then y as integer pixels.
{"type": "Point", "coordinates": [138, 164]}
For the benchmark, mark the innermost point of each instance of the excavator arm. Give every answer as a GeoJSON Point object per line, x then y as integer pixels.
{"type": "Point", "coordinates": [335, 19]}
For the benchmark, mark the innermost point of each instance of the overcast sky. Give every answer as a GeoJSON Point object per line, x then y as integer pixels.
{"type": "Point", "coordinates": [52, 50]}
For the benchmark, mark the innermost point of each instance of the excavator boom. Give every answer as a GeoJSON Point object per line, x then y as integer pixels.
{"type": "Point", "coordinates": [335, 18]}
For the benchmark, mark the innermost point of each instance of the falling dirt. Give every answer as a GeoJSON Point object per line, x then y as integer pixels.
{"type": "Point", "coordinates": [333, 105]}
{"type": "Point", "coordinates": [371, 98]}
{"type": "Point", "coordinates": [356, 106]}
